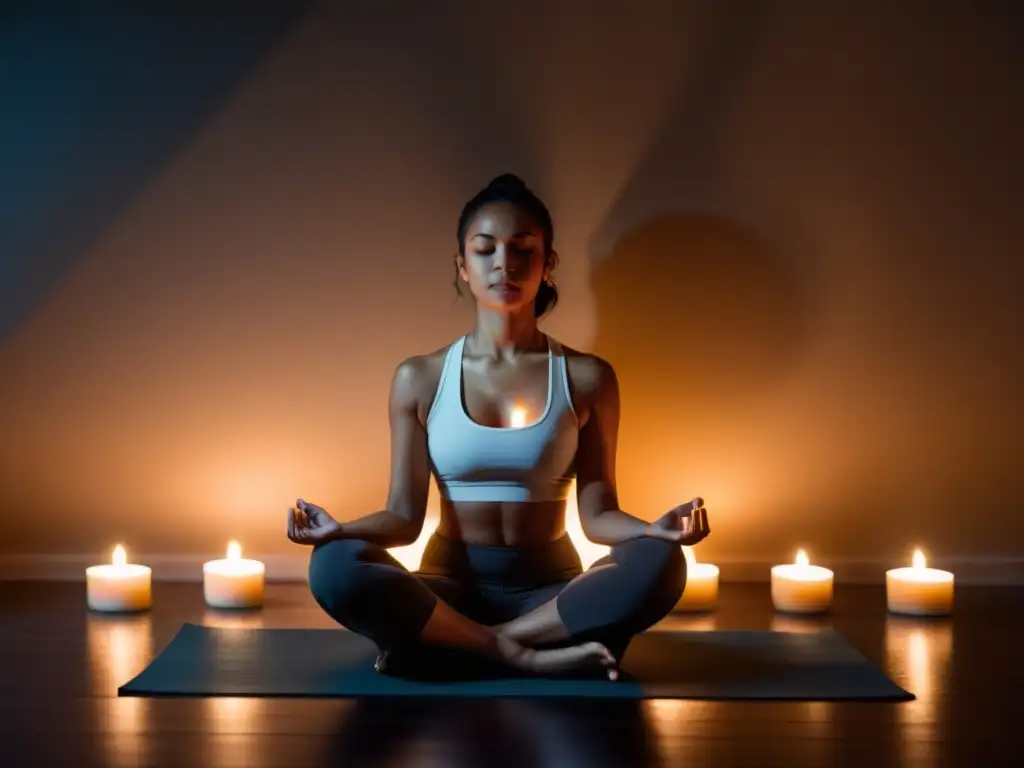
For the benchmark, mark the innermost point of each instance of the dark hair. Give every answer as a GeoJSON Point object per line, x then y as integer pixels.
{"type": "Point", "coordinates": [509, 188]}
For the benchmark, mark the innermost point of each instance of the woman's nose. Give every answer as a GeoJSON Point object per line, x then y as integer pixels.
{"type": "Point", "coordinates": [500, 261]}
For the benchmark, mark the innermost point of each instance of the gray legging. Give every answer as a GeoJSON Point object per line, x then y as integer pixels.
{"type": "Point", "coordinates": [363, 588]}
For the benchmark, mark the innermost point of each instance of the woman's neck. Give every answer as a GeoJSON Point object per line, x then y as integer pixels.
{"type": "Point", "coordinates": [503, 334]}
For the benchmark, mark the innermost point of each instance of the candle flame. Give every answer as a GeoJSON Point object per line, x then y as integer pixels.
{"type": "Point", "coordinates": [801, 558]}
{"type": "Point", "coordinates": [234, 551]}
{"type": "Point", "coordinates": [119, 557]}
{"type": "Point", "coordinates": [518, 416]}
{"type": "Point", "coordinates": [919, 559]}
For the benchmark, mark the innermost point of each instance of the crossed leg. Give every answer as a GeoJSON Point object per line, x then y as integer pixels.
{"type": "Point", "coordinates": [585, 623]}
{"type": "Point", "coordinates": [622, 594]}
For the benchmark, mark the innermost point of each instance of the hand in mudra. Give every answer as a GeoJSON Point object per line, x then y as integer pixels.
{"type": "Point", "coordinates": [686, 524]}
{"type": "Point", "coordinates": [310, 524]}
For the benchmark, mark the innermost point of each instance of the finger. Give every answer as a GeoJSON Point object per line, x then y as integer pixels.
{"type": "Point", "coordinates": [695, 503]}
{"type": "Point", "coordinates": [681, 512]}
{"type": "Point", "coordinates": [702, 530]}
{"type": "Point", "coordinates": [610, 663]}
{"type": "Point", "coordinates": [291, 523]}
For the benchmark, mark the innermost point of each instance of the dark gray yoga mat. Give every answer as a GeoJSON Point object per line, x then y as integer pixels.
{"type": "Point", "coordinates": [207, 661]}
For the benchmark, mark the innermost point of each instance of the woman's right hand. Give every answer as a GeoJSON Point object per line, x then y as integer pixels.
{"type": "Point", "coordinates": [310, 524]}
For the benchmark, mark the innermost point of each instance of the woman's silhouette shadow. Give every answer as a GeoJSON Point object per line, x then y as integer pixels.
{"type": "Point", "coordinates": [701, 319]}
{"type": "Point", "coordinates": [699, 305]}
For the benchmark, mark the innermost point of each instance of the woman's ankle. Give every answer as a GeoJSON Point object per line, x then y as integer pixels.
{"type": "Point", "coordinates": [513, 653]}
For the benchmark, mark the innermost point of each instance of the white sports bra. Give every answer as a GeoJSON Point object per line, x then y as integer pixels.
{"type": "Point", "coordinates": [473, 462]}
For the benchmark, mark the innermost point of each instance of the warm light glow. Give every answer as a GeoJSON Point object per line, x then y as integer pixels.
{"type": "Point", "coordinates": [518, 416]}
{"type": "Point", "coordinates": [919, 559]}
{"type": "Point", "coordinates": [588, 551]}
{"type": "Point", "coordinates": [116, 651]}
{"type": "Point", "coordinates": [701, 590]}
{"type": "Point", "coordinates": [234, 551]}
{"type": "Point", "coordinates": [918, 656]}
{"type": "Point", "coordinates": [411, 555]}
{"type": "Point", "coordinates": [119, 557]}
{"type": "Point", "coordinates": [691, 559]}
{"type": "Point", "coordinates": [801, 558]}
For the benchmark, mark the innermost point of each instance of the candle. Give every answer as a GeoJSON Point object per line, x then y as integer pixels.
{"type": "Point", "coordinates": [701, 590]}
{"type": "Point", "coordinates": [801, 587]}
{"type": "Point", "coordinates": [919, 590]}
{"type": "Point", "coordinates": [119, 586]}
{"type": "Point", "coordinates": [233, 582]}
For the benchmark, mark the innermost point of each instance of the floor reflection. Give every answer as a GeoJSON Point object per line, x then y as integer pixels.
{"type": "Point", "coordinates": [818, 716]}
{"type": "Point", "coordinates": [681, 728]}
{"type": "Point", "coordinates": [782, 622]}
{"type": "Point", "coordinates": [424, 733]}
{"type": "Point", "coordinates": [919, 656]}
{"type": "Point", "coordinates": [249, 619]}
{"type": "Point", "coordinates": [118, 648]}
{"type": "Point", "coordinates": [693, 622]}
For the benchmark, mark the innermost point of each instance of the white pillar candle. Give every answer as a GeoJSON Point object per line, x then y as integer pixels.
{"type": "Point", "coordinates": [701, 590]}
{"type": "Point", "coordinates": [119, 586]}
{"type": "Point", "coordinates": [233, 582]}
{"type": "Point", "coordinates": [801, 587]}
{"type": "Point", "coordinates": [919, 590]}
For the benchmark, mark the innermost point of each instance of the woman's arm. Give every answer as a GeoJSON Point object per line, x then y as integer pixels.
{"type": "Point", "coordinates": [597, 495]}
{"type": "Point", "coordinates": [401, 521]}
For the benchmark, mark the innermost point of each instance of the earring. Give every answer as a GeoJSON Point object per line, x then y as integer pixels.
{"type": "Point", "coordinates": [549, 281]}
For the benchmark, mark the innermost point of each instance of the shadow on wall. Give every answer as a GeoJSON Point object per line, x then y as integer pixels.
{"type": "Point", "coordinates": [701, 318]}
{"type": "Point", "coordinates": [96, 102]}
{"type": "Point", "coordinates": [697, 312]}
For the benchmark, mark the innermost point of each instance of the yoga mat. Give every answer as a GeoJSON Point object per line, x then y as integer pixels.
{"type": "Point", "coordinates": [208, 661]}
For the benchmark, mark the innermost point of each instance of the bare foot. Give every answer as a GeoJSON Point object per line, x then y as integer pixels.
{"type": "Point", "coordinates": [585, 657]}
{"type": "Point", "coordinates": [576, 658]}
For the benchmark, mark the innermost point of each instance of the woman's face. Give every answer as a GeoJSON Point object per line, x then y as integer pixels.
{"type": "Point", "coordinates": [504, 259]}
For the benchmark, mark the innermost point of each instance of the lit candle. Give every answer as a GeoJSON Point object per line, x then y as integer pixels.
{"type": "Point", "coordinates": [233, 582]}
{"type": "Point", "coordinates": [919, 590]}
{"type": "Point", "coordinates": [120, 585]}
{"type": "Point", "coordinates": [801, 587]}
{"type": "Point", "coordinates": [701, 590]}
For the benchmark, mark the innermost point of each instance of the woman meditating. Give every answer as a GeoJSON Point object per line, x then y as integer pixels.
{"type": "Point", "coordinates": [505, 418]}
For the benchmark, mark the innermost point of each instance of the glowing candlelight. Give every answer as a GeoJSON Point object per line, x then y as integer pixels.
{"type": "Point", "coordinates": [233, 582]}
{"type": "Point", "coordinates": [801, 587]}
{"type": "Point", "coordinates": [517, 417]}
{"type": "Point", "coordinates": [411, 555]}
{"type": "Point", "coordinates": [701, 590]}
{"type": "Point", "coordinates": [919, 590]}
{"type": "Point", "coordinates": [119, 586]}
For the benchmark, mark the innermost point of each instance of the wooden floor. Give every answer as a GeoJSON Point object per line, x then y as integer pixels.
{"type": "Point", "coordinates": [59, 669]}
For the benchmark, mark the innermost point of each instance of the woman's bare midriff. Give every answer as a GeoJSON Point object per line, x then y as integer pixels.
{"type": "Point", "coordinates": [502, 524]}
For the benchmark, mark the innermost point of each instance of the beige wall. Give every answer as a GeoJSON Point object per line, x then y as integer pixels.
{"type": "Point", "coordinates": [795, 233]}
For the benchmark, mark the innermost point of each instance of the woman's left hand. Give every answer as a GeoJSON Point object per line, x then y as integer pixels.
{"type": "Point", "coordinates": [686, 524]}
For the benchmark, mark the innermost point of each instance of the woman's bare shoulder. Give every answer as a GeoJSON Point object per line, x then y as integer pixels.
{"type": "Point", "coordinates": [417, 377]}
{"type": "Point", "coordinates": [589, 373]}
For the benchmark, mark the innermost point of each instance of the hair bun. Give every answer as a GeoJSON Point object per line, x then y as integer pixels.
{"type": "Point", "coordinates": [507, 181]}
